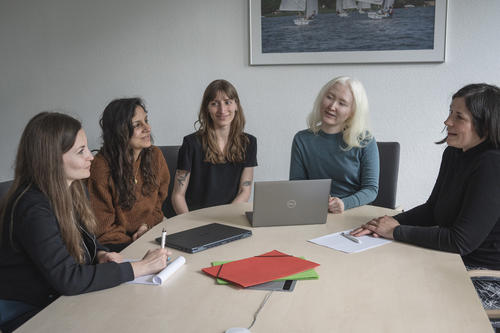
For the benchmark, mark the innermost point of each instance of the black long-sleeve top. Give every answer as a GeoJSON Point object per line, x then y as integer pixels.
{"type": "Point", "coordinates": [462, 214]}
{"type": "Point", "coordinates": [36, 266]}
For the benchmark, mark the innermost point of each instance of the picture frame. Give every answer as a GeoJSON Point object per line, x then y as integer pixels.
{"type": "Point", "coordinates": [258, 56]}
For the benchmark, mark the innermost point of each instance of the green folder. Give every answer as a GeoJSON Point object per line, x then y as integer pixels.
{"type": "Point", "coordinates": [310, 274]}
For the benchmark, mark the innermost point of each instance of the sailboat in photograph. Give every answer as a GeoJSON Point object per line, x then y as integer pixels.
{"type": "Point", "coordinates": [384, 11]}
{"type": "Point", "coordinates": [342, 5]}
{"type": "Point", "coordinates": [362, 5]}
{"type": "Point", "coordinates": [307, 10]}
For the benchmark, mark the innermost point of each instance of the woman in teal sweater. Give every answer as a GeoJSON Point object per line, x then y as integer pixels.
{"type": "Point", "coordinates": [338, 145]}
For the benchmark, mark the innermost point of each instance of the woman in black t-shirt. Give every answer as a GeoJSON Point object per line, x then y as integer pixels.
{"type": "Point", "coordinates": [215, 163]}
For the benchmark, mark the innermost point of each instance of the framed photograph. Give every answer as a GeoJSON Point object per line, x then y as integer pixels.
{"type": "Point", "coordinates": [346, 31]}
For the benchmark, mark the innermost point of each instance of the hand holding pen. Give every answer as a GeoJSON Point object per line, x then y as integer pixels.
{"type": "Point", "coordinates": [154, 260]}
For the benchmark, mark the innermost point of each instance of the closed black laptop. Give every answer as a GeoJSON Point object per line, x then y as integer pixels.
{"type": "Point", "coordinates": [204, 237]}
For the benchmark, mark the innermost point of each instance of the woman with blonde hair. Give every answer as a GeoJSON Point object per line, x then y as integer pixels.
{"type": "Point", "coordinates": [215, 164]}
{"type": "Point", "coordinates": [48, 247]}
{"type": "Point", "coordinates": [339, 146]}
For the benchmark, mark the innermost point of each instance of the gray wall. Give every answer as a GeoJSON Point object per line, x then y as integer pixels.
{"type": "Point", "coordinates": [78, 55]}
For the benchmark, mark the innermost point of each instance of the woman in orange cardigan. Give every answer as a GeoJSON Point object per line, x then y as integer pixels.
{"type": "Point", "coordinates": [129, 176]}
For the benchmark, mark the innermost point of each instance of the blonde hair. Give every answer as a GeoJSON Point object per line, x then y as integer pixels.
{"type": "Point", "coordinates": [39, 162]}
{"type": "Point", "coordinates": [356, 132]}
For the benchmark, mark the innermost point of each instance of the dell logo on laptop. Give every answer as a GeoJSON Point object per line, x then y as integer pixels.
{"type": "Point", "coordinates": [291, 203]}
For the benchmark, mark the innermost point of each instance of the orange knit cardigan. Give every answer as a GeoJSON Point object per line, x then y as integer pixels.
{"type": "Point", "coordinates": [114, 224]}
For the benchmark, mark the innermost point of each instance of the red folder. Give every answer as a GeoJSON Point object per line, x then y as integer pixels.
{"type": "Point", "coordinates": [260, 269]}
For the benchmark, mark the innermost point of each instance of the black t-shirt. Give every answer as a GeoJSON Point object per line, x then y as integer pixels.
{"type": "Point", "coordinates": [462, 214]}
{"type": "Point", "coordinates": [212, 184]}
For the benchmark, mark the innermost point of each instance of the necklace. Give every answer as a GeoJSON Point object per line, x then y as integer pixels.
{"type": "Point", "coordinates": [135, 176]}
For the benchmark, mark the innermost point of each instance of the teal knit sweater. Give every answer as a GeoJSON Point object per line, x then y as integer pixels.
{"type": "Point", "coordinates": [354, 172]}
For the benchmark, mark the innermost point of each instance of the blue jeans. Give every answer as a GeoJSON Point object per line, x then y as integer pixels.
{"type": "Point", "coordinates": [12, 309]}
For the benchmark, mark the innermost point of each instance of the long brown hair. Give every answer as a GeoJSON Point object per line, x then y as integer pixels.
{"type": "Point", "coordinates": [117, 129]}
{"type": "Point", "coordinates": [39, 162]}
{"type": "Point", "coordinates": [237, 142]}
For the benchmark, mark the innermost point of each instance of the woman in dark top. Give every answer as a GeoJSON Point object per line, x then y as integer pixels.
{"type": "Point", "coordinates": [462, 214]}
{"type": "Point", "coordinates": [47, 246]}
{"type": "Point", "coordinates": [215, 164]}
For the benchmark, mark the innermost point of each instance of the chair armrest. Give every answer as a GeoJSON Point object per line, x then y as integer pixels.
{"type": "Point", "coordinates": [484, 273]}
{"type": "Point", "coordinates": [493, 314]}
{"type": "Point", "coordinates": [487, 275]}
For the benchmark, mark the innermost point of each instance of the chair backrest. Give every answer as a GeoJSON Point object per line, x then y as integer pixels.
{"type": "Point", "coordinates": [170, 153]}
{"type": "Point", "coordinates": [388, 179]}
{"type": "Point", "coordinates": [4, 188]}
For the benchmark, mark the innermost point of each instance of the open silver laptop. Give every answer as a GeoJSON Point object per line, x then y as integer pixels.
{"type": "Point", "coordinates": [290, 202]}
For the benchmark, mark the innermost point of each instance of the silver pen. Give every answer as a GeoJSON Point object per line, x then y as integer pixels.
{"type": "Point", "coordinates": [163, 238]}
{"type": "Point", "coordinates": [351, 238]}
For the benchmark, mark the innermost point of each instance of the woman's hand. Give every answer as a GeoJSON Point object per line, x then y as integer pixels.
{"type": "Point", "coordinates": [380, 227]}
{"type": "Point", "coordinates": [103, 256]}
{"type": "Point", "coordinates": [358, 232]}
{"type": "Point", "coordinates": [153, 262]}
{"type": "Point", "coordinates": [142, 229]}
{"type": "Point", "coordinates": [335, 205]}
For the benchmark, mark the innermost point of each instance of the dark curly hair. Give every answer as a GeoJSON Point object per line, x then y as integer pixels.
{"type": "Point", "coordinates": [117, 129]}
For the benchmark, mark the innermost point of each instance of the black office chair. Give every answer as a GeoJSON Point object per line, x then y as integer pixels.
{"type": "Point", "coordinates": [492, 309]}
{"type": "Point", "coordinates": [12, 324]}
{"type": "Point", "coordinates": [170, 153]}
{"type": "Point", "coordinates": [4, 188]}
{"type": "Point", "coordinates": [388, 179]}
{"type": "Point", "coordinates": [18, 320]}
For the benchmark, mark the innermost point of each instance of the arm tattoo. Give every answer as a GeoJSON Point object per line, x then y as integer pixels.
{"type": "Point", "coordinates": [181, 178]}
{"type": "Point", "coordinates": [244, 184]}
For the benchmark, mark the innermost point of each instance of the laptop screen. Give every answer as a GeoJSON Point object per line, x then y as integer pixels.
{"type": "Point", "coordinates": [290, 202]}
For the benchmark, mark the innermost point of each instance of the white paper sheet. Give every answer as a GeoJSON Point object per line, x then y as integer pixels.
{"type": "Point", "coordinates": [163, 275]}
{"type": "Point", "coordinates": [338, 242]}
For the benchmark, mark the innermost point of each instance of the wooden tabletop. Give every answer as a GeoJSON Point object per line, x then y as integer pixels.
{"type": "Point", "coordinates": [391, 288]}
